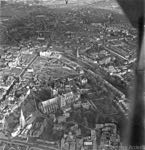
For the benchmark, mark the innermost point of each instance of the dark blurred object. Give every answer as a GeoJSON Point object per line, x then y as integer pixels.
{"type": "Point", "coordinates": [3, 3]}
{"type": "Point", "coordinates": [66, 1]}
{"type": "Point", "coordinates": [134, 9]}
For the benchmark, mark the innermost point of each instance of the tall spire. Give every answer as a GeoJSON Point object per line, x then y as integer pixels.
{"type": "Point", "coordinates": [78, 53]}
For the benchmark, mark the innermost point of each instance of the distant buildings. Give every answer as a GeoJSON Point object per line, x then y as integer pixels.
{"type": "Point", "coordinates": [25, 1]}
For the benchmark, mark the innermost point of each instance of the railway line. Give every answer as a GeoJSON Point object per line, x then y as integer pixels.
{"type": "Point", "coordinates": [92, 71]}
{"type": "Point", "coordinates": [96, 73]}
{"type": "Point", "coordinates": [29, 145]}
{"type": "Point", "coordinates": [115, 52]}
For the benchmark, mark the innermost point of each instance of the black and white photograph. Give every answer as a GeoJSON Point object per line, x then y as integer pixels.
{"type": "Point", "coordinates": [72, 75]}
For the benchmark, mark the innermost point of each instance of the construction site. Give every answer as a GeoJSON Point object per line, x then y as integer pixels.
{"type": "Point", "coordinates": [67, 71]}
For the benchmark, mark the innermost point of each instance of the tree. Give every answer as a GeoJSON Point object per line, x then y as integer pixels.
{"type": "Point", "coordinates": [48, 129]}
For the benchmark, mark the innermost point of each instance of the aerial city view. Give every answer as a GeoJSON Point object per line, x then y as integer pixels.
{"type": "Point", "coordinates": [66, 72]}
